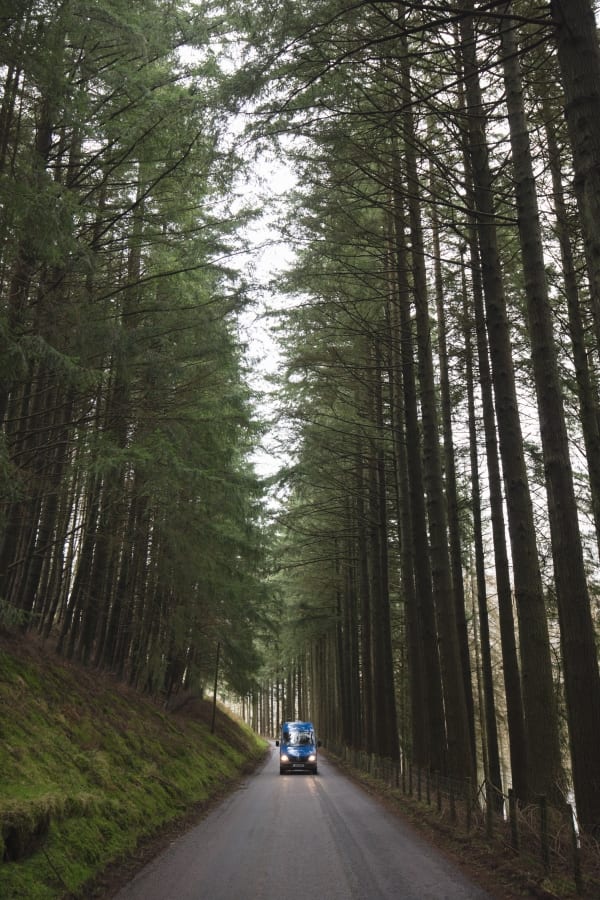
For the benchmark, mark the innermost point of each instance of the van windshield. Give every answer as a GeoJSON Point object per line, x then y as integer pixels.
{"type": "Point", "coordinates": [301, 737]}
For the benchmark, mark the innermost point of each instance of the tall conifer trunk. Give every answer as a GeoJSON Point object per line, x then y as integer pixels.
{"type": "Point", "coordinates": [581, 677]}
{"type": "Point", "coordinates": [364, 591]}
{"type": "Point", "coordinates": [415, 739]}
{"type": "Point", "coordinates": [510, 662]}
{"type": "Point", "coordinates": [458, 730]}
{"type": "Point", "coordinates": [450, 480]}
{"type": "Point", "coordinates": [490, 742]}
{"type": "Point", "coordinates": [579, 61]}
{"type": "Point", "coordinates": [425, 623]}
{"type": "Point", "coordinates": [588, 402]}
{"type": "Point", "coordinates": [384, 693]}
{"type": "Point", "coordinates": [544, 758]}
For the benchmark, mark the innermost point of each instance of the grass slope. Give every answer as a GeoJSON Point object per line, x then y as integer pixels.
{"type": "Point", "coordinates": [89, 768]}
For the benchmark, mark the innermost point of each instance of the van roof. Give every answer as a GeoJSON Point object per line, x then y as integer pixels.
{"type": "Point", "coordinates": [298, 726]}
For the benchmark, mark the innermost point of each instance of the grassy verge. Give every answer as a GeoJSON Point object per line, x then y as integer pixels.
{"type": "Point", "coordinates": [89, 769]}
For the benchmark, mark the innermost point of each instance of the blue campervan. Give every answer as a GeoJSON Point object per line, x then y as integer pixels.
{"type": "Point", "coordinates": [297, 748]}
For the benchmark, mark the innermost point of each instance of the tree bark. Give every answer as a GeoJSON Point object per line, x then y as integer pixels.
{"type": "Point", "coordinates": [492, 755]}
{"type": "Point", "coordinates": [544, 758]}
{"type": "Point", "coordinates": [456, 565]}
{"type": "Point", "coordinates": [579, 652]}
{"type": "Point", "coordinates": [579, 62]}
{"type": "Point", "coordinates": [458, 730]}
{"type": "Point", "coordinates": [589, 412]}
{"type": "Point", "coordinates": [425, 610]}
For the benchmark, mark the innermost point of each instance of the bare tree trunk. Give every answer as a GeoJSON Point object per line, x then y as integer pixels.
{"type": "Point", "coordinates": [579, 61]}
{"type": "Point", "coordinates": [458, 729]}
{"type": "Point", "coordinates": [424, 614]}
{"type": "Point", "coordinates": [492, 755]}
{"type": "Point", "coordinates": [415, 728]}
{"type": "Point", "coordinates": [541, 718]}
{"type": "Point", "coordinates": [579, 652]}
{"type": "Point", "coordinates": [451, 485]}
{"type": "Point", "coordinates": [510, 662]}
{"type": "Point", "coordinates": [384, 694]}
{"type": "Point", "coordinates": [588, 404]}
{"type": "Point", "coordinates": [364, 593]}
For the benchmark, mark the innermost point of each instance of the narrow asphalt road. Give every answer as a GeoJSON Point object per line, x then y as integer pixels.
{"type": "Point", "coordinates": [298, 836]}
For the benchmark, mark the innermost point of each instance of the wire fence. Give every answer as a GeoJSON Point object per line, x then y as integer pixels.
{"type": "Point", "coordinates": [545, 836]}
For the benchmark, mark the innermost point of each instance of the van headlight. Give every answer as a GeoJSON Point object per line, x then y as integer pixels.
{"type": "Point", "coordinates": [312, 757]}
{"type": "Point", "coordinates": [284, 757]}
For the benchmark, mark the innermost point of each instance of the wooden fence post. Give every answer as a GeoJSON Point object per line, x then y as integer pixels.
{"type": "Point", "coordinates": [512, 816]}
{"type": "Point", "coordinates": [545, 846]}
{"type": "Point", "coordinates": [468, 810]}
{"type": "Point", "coordinates": [489, 809]}
{"type": "Point", "coordinates": [576, 854]}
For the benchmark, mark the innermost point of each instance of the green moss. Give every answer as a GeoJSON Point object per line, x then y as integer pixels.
{"type": "Point", "coordinates": [88, 769]}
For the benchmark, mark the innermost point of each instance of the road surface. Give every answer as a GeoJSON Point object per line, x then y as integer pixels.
{"type": "Point", "coordinates": [295, 837]}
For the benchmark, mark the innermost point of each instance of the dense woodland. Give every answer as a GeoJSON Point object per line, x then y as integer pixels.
{"type": "Point", "coordinates": [424, 582]}
{"type": "Point", "coordinates": [130, 514]}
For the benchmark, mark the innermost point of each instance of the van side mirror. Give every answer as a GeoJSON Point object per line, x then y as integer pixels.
{"type": "Point", "coordinates": [318, 743]}
{"type": "Point", "coordinates": [277, 743]}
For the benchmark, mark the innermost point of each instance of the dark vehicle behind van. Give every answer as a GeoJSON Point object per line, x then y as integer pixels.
{"type": "Point", "coordinates": [297, 748]}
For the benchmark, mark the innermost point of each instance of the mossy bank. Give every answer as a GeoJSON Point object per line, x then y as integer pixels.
{"type": "Point", "coordinates": [89, 769]}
